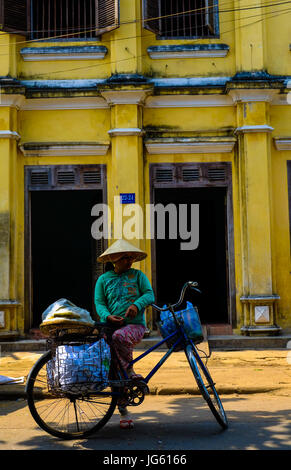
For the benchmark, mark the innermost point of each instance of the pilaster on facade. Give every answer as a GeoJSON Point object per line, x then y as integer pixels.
{"type": "Point", "coordinates": [250, 41]}
{"type": "Point", "coordinates": [126, 133]}
{"type": "Point", "coordinates": [9, 136]}
{"type": "Point", "coordinates": [254, 144]}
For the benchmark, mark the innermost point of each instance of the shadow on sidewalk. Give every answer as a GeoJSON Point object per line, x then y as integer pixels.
{"type": "Point", "coordinates": [181, 423]}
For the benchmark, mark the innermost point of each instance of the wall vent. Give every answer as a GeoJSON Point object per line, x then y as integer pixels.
{"type": "Point", "coordinates": [190, 174]}
{"type": "Point", "coordinates": [216, 174]}
{"type": "Point", "coordinates": [66, 177]}
{"type": "Point", "coordinates": [92, 177]}
{"type": "Point", "coordinates": [39, 178]}
{"type": "Point", "coordinates": [164, 175]}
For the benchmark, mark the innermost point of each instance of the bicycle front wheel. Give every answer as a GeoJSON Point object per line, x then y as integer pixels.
{"type": "Point", "coordinates": [66, 417]}
{"type": "Point", "coordinates": [206, 385]}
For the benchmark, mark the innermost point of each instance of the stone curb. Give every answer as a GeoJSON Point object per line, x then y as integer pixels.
{"type": "Point", "coordinates": [15, 392]}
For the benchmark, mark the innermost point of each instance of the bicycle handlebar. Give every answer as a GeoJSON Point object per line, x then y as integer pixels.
{"type": "Point", "coordinates": [190, 284]}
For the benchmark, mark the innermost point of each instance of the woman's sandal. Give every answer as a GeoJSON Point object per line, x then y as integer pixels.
{"type": "Point", "coordinates": [132, 375]}
{"type": "Point", "coordinates": [126, 423]}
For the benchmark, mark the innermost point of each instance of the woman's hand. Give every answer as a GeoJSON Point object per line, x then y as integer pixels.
{"type": "Point", "coordinates": [132, 311]}
{"type": "Point", "coordinates": [115, 319]}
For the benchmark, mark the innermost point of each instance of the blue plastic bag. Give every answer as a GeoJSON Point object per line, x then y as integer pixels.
{"type": "Point", "coordinates": [190, 320]}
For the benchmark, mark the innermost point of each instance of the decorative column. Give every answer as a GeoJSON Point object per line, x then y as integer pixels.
{"type": "Point", "coordinates": [10, 323]}
{"type": "Point", "coordinates": [258, 299]}
{"type": "Point", "coordinates": [250, 37]}
{"type": "Point", "coordinates": [126, 192]}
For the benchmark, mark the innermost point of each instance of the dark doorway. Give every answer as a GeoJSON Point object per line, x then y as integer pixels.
{"type": "Point", "coordinates": [207, 264]}
{"type": "Point", "coordinates": [63, 250]}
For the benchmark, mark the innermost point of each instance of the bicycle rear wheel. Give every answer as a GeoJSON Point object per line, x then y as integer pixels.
{"type": "Point", "coordinates": [206, 385]}
{"type": "Point", "coordinates": [66, 417]}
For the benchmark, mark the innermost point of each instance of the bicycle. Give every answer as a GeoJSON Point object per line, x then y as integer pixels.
{"type": "Point", "coordinates": [74, 415]}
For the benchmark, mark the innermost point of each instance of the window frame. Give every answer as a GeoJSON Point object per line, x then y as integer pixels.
{"type": "Point", "coordinates": [24, 25]}
{"type": "Point", "coordinates": [31, 29]}
{"type": "Point", "coordinates": [160, 36]}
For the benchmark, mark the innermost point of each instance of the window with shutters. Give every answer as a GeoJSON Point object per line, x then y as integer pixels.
{"type": "Point", "coordinates": [63, 19]}
{"type": "Point", "coordinates": [181, 18]}
{"type": "Point", "coordinates": [14, 16]}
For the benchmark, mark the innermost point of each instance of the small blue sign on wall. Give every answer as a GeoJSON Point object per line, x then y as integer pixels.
{"type": "Point", "coordinates": [127, 198]}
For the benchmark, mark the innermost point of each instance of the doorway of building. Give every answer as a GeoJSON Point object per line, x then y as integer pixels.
{"type": "Point", "coordinates": [207, 264]}
{"type": "Point", "coordinates": [63, 252]}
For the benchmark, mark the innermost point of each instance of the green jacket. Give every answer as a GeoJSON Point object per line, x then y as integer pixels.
{"type": "Point", "coordinates": [114, 293]}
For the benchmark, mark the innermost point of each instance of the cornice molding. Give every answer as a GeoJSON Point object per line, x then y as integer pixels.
{"type": "Point", "coordinates": [125, 131]}
{"type": "Point", "coordinates": [188, 51]}
{"type": "Point", "coordinates": [254, 129]}
{"type": "Point", "coordinates": [65, 149]}
{"type": "Point", "coordinates": [260, 298]}
{"type": "Point", "coordinates": [6, 134]}
{"type": "Point", "coordinates": [12, 100]}
{"type": "Point", "coordinates": [36, 54]}
{"type": "Point", "coordinates": [282, 143]}
{"type": "Point", "coordinates": [114, 97]}
{"type": "Point", "coordinates": [186, 145]}
{"type": "Point", "coordinates": [43, 104]}
{"type": "Point", "coordinates": [252, 95]}
{"type": "Point", "coordinates": [188, 101]}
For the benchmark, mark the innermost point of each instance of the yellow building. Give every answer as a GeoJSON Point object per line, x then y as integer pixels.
{"type": "Point", "coordinates": [146, 102]}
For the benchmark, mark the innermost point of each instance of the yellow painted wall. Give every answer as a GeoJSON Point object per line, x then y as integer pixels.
{"type": "Point", "coordinates": [258, 40]}
{"type": "Point", "coordinates": [65, 126]}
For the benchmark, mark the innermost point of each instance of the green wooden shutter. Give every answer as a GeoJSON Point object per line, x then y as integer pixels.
{"type": "Point", "coordinates": [14, 16]}
{"type": "Point", "coordinates": [151, 14]}
{"type": "Point", "coordinates": [107, 15]}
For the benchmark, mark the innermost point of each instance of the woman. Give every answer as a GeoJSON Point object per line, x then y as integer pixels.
{"type": "Point", "coordinates": [121, 295]}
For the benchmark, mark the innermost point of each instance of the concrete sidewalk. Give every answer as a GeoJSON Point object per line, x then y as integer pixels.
{"type": "Point", "coordinates": [234, 372]}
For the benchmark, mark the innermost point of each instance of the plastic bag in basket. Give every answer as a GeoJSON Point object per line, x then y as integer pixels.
{"type": "Point", "coordinates": [80, 368]}
{"type": "Point", "coordinates": [64, 313]}
{"type": "Point", "coordinates": [190, 320]}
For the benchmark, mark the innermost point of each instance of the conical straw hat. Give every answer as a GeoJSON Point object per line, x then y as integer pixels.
{"type": "Point", "coordinates": [118, 249]}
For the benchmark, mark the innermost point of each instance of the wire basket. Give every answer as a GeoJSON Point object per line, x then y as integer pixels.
{"type": "Point", "coordinates": [79, 365]}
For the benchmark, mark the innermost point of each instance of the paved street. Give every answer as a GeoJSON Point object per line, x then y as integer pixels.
{"type": "Point", "coordinates": [256, 422]}
{"type": "Point", "coordinates": [255, 387]}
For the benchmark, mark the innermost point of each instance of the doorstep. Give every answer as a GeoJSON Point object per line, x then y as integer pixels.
{"type": "Point", "coordinates": [231, 342]}
{"type": "Point", "coordinates": [215, 342]}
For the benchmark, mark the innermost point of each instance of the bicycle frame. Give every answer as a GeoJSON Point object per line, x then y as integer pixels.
{"type": "Point", "coordinates": [182, 338]}
{"type": "Point", "coordinates": [165, 356]}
